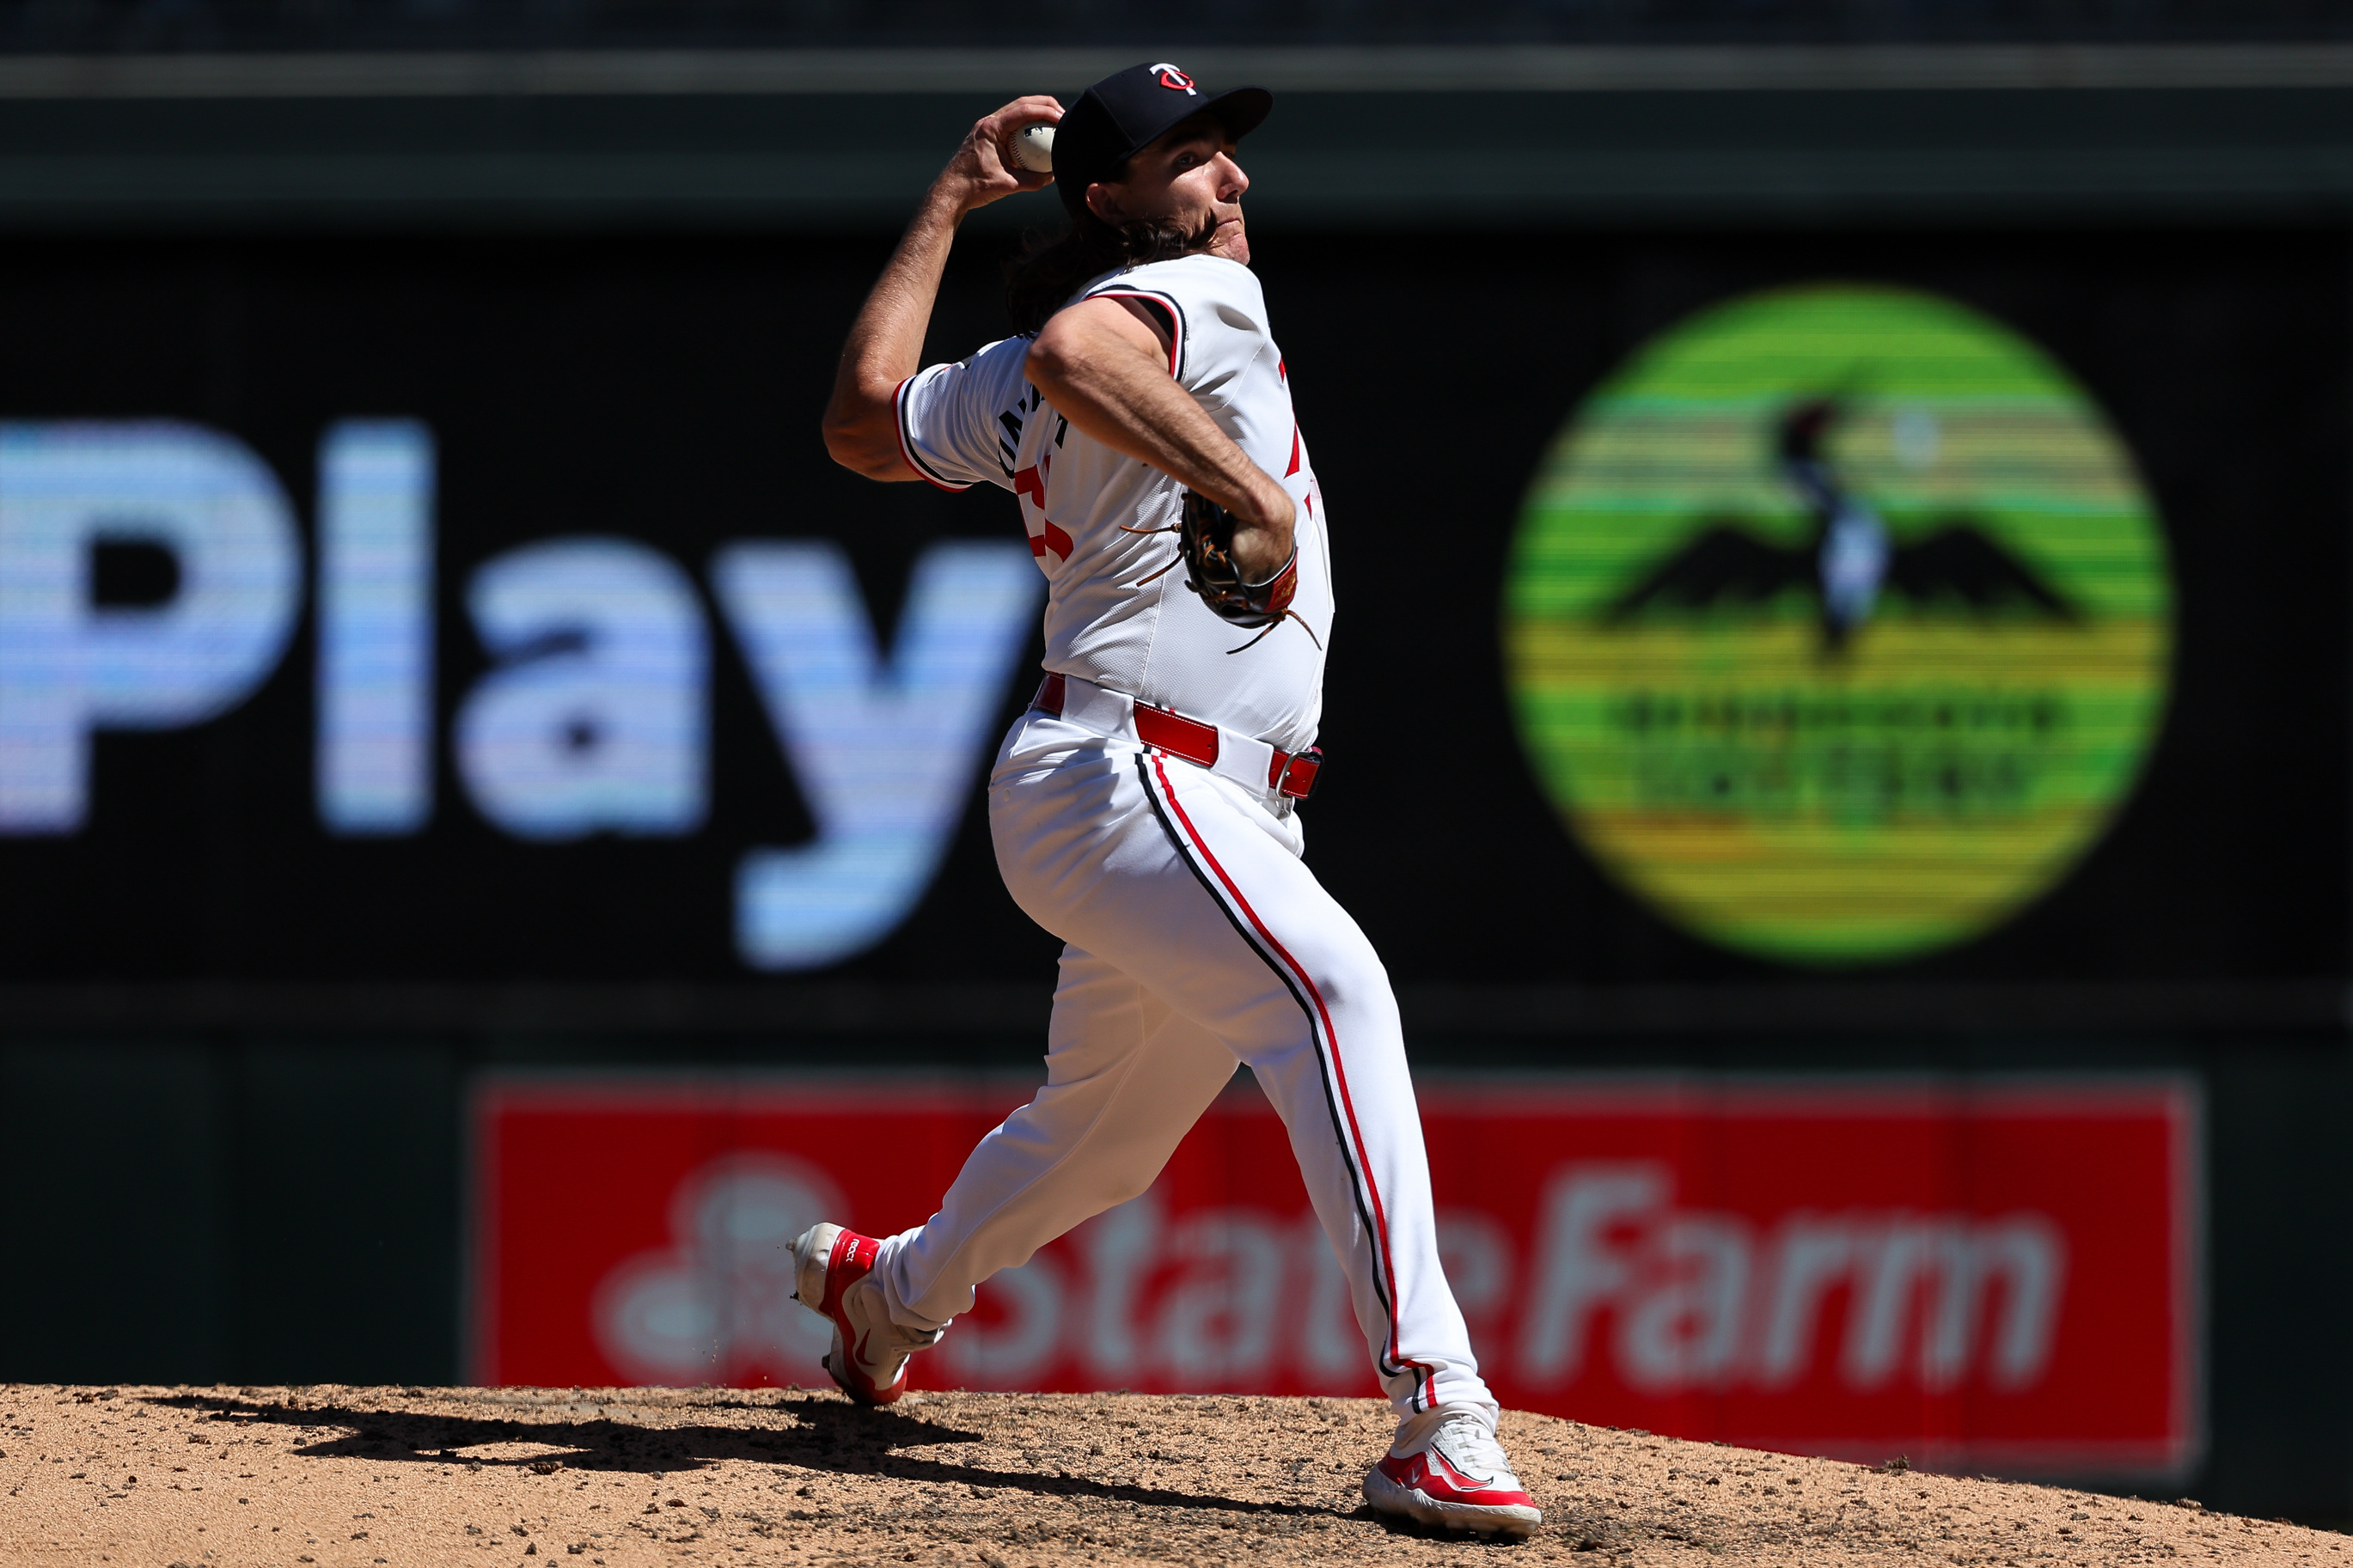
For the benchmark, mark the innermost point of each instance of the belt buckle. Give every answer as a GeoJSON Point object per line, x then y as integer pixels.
{"type": "Point", "coordinates": [1314, 757]}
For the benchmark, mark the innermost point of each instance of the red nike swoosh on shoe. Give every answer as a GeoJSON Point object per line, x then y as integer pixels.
{"type": "Point", "coordinates": [1456, 1472]}
{"type": "Point", "coordinates": [1441, 1482]}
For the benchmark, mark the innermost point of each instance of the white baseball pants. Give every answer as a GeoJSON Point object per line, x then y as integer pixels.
{"type": "Point", "coordinates": [1196, 938]}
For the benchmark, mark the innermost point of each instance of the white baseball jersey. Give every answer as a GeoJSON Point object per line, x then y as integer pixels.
{"type": "Point", "coordinates": [980, 421]}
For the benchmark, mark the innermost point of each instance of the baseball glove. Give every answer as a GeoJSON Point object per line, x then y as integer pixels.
{"type": "Point", "coordinates": [1205, 541]}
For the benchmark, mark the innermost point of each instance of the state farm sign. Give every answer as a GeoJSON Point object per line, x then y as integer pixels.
{"type": "Point", "coordinates": [1969, 1273]}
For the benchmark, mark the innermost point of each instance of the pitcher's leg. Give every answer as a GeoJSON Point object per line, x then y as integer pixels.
{"type": "Point", "coordinates": [1199, 895]}
{"type": "Point", "coordinates": [1125, 1079]}
{"type": "Point", "coordinates": [1288, 980]}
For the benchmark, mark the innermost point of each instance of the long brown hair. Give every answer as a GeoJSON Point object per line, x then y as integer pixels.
{"type": "Point", "coordinates": [1041, 280]}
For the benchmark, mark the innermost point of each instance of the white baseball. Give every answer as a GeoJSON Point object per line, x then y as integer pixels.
{"type": "Point", "coordinates": [1033, 148]}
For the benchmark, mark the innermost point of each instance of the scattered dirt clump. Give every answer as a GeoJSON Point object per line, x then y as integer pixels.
{"type": "Point", "coordinates": [631, 1478]}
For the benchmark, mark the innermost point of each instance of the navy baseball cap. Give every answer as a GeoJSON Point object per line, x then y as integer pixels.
{"type": "Point", "coordinates": [1127, 112]}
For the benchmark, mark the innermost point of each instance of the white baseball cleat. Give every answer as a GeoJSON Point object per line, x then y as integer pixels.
{"type": "Point", "coordinates": [833, 1276]}
{"type": "Point", "coordinates": [1447, 1470]}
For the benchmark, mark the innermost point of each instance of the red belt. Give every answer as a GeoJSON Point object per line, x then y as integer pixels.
{"type": "Point", "coordinates": [1291, 774]}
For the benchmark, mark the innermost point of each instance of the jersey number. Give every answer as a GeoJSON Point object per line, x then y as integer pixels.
{"type": "Point", "coordinates": [1029, 484]}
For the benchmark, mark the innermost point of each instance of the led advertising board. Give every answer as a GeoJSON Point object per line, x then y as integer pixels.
{"type": "Point", "coordinates": [1840, 623]}
{"type": "Point", "coordinates": [1983, 1274]}
{"type": "Point", "coordinates": [594, 717]}
{"type": "Point", "coordinates": [489, 613]}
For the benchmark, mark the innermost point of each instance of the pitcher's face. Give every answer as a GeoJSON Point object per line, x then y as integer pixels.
{"type": "Point", "coordinates": [1188, 178]}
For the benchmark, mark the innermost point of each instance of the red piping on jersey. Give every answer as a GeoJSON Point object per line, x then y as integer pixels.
{"type": "Point", "coordinates": [1053, 539]}
{"type": "Point", "coordinates": [907, 453]}
{"type": "Point", "coordinates": [1175, 323]}
{"type": "Point", "coordinates": [1339, 1073]}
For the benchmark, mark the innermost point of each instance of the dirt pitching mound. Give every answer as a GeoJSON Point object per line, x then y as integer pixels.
{"type": "Point", "coordinates": [623, 1478]}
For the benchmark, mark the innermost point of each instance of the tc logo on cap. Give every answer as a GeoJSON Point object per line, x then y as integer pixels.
{"type": "Point", "coordinates": [1172, 78]}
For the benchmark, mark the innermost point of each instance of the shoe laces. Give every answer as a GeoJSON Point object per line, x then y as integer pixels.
{"type": "Point", "coordinates": [1467, 1442]}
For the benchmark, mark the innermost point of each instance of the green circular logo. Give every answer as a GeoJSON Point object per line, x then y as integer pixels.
{"type": "Point", "coordinates": [1838, 623]}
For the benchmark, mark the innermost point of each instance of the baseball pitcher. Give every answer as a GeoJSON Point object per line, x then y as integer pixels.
{"type": "Point", "coordinates": [1146, 809]}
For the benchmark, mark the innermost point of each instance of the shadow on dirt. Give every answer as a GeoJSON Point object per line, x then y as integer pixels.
{"type": "Point", "coordinates": [823, 1434]}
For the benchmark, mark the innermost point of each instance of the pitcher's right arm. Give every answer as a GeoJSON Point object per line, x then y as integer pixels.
{"type": "Point", "coordinates": [886, 342]}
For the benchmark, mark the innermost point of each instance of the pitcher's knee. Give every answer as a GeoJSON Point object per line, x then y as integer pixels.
{"type": "Point", "coordinates": [1341, 984]}
{"type": "Point", "coordinates": [1349, 977]}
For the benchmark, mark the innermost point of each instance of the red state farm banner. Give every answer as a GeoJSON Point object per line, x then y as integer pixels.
{"type": "Point", "coordinates": [1971, 1274]}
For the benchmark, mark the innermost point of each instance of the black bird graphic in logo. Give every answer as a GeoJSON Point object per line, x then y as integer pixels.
{"type": "Point", "coordinates": [1848, 561]}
